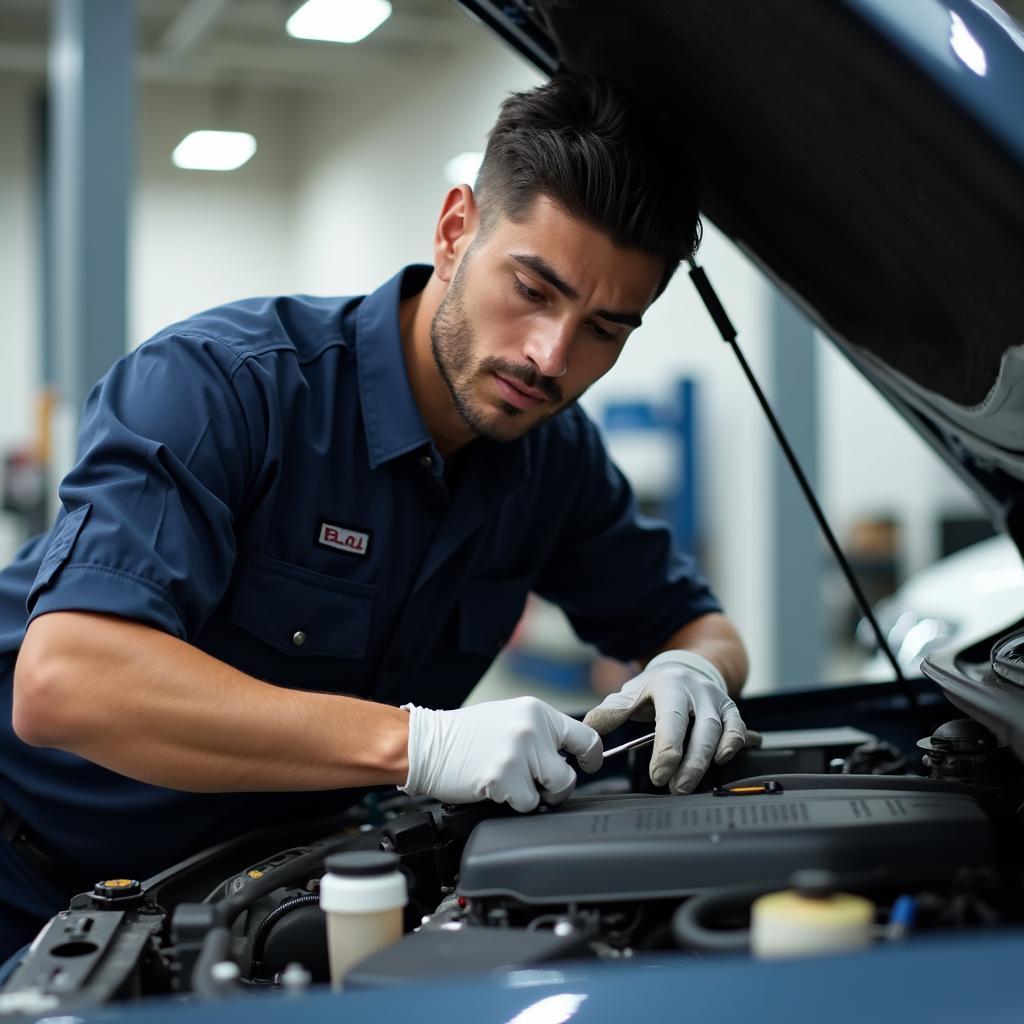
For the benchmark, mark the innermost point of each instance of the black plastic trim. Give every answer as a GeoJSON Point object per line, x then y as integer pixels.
{"type": "Point", "coordinates": [514, 24]}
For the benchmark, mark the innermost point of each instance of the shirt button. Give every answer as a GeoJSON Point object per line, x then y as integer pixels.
{"type": "Point", "coordinates": [426, 462]}
{"type": "Point", "coordinates": [298, 638]}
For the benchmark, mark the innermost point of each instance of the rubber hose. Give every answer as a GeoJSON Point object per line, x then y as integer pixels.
{"type": "Point", "coordinates": [215, 949]}
{"type": "Point", "coordinates": [690, 926]}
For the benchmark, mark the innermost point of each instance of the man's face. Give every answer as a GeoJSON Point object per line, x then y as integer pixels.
{"type": "Point", "coordinates": [535, 313]}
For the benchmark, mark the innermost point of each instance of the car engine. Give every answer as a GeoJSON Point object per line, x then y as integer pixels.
{"type": "Point", "coordinates": [621, 870]}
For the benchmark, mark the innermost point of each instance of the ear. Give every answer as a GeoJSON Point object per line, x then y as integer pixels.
{"type": "Point", "coordinates": [456, 228]}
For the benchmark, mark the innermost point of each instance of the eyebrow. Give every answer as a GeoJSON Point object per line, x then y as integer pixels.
{"type": "Point", "coordinates": [543, 269]}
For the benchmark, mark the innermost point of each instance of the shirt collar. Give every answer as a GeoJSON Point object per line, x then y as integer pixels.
{"type": "Point", "coordinates": [392, 420]}
{"type": "Point", "coordinates": [391, 417]}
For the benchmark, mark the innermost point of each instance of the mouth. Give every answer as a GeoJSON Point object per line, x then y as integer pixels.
{"type": "Point", "coordinates": [518, 394]}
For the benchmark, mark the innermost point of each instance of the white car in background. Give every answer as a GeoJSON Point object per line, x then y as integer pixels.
{"type": "Point", "coordinates": [956, 600]}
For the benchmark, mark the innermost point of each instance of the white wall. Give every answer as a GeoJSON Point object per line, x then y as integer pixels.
{"type": "Point", "coordinates": [200, 238]}
{"type": "Point", "coordinates": [373, 164]}
{"type": "Point", "coordinates": [873, 464]}
{"type": "Point", "coordinates": [19, 274]}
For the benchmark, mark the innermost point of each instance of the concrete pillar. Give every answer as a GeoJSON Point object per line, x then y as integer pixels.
{"type": "Point", "coordinates": [90, 177]}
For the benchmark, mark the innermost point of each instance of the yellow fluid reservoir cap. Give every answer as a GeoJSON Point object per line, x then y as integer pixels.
{"type": "Point", "coordinates": [117, 888]}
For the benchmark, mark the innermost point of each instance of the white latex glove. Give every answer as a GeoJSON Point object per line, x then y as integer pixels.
{"type": "Point", "coordinates": [505, 750]}
{"type": "Point", "coordinates": [675, 687]}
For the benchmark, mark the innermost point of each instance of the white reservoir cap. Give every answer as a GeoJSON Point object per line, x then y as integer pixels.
{"type": "Point", "coordinates": [362, 882]}
{"type": "Point", "coordinates": [794, 924]}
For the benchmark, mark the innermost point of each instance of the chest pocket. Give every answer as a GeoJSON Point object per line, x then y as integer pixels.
{"type": "Point", "coordinates": [301, 612]}
{"type": "Point", "coordinates": [488, 613]}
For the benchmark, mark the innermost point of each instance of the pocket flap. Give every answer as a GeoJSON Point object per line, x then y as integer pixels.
{"type": "Point", "coordinates": [60, 548]}
{"type": "Point", "coordinates": [301, 612]}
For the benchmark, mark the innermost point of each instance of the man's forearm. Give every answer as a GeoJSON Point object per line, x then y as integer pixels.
{"type": "Point", "coordinates": [154, 708]}
{"type": "Point", "coordinates": [714, 637]}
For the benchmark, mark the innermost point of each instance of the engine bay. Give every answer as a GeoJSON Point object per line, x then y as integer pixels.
{"type": "Point", "coordinates": [620, 871]}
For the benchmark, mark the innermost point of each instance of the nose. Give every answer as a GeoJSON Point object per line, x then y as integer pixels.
{"type": "Point", "coordinates": [548, 349]}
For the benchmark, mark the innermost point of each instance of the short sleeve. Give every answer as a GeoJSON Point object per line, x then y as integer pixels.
{"type": "Point", "coordinates": [146, 528]}
{"type": "Point", "coordinates": [618, 575]}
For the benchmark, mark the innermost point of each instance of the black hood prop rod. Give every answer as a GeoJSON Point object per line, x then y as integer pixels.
{"type": "Point", "coordinates": [729, 334]}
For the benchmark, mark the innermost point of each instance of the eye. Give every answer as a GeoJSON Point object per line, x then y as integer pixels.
{"type": "Point", "coordinates": [528, 293]}
{"type": "Point", "coordinates": [601, 333]}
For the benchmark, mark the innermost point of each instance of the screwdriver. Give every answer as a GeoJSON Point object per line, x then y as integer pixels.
{"type": "Point", "coordinates": [753, 740]}
{"type": "Point", "coordinates": [641, 741]}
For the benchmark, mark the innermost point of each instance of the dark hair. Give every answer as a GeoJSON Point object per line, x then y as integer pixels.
{"type": "Point", "coordinates": [578, 140]}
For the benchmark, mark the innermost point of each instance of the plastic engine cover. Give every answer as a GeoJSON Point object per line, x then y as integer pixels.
{"type": "Point", "coordinates": [632, 848]}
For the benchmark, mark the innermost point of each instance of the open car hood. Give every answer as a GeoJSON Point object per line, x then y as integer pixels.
{"type": "Point", "coordinates": [869, 156]}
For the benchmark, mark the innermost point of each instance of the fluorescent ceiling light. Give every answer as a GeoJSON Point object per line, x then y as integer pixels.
{"type": "Point", "coordinates": [214, 151]}
{"type": "Point", "coordinates": [463, 168]}
{"type": "Point", "coordinates": [338, 21]}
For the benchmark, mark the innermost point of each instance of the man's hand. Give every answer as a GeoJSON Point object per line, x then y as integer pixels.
{"type": "Point", "coordinates": [506, 751]}
{"type": "Point", "coordinates": [675, 687]}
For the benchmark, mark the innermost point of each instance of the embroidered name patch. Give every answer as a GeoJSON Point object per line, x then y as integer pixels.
{"type": "Point", "coordinates": [343, 538]}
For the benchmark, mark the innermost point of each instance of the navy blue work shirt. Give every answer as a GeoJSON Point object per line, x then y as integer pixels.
{"type": "Point", "coordinates": [257, 480]}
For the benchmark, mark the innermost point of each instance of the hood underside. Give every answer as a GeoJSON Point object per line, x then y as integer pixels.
{"type": "Point", "coordinates": [869, 156]}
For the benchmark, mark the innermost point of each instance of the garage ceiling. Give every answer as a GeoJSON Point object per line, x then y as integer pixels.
{"type": "Point", "coordinates": [243, 42]}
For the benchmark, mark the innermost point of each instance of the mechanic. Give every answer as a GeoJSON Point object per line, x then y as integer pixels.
{"type": "Point", "coordinates": [299, 530]}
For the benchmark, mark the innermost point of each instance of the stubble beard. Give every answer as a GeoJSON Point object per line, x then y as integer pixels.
{"type": "Point", "coordinates": [452, 345]}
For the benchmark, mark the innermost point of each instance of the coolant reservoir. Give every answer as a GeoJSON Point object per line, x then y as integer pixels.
{"type": "Point", "coordinates": [363, 895]}
{"type": "Point", "coordinates": [810, 919]}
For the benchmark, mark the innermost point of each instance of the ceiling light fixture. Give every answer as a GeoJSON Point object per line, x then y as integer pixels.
{"type": "Point", "coordinates": [338, 21]}
{"type": "Point", "coordinates": [213, 151]}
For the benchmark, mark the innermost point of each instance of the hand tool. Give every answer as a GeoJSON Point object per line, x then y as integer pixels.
{"type": "Point", "coordinates": [753, 740]}
{"type": "Point", "coordinates": [638, 742]}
